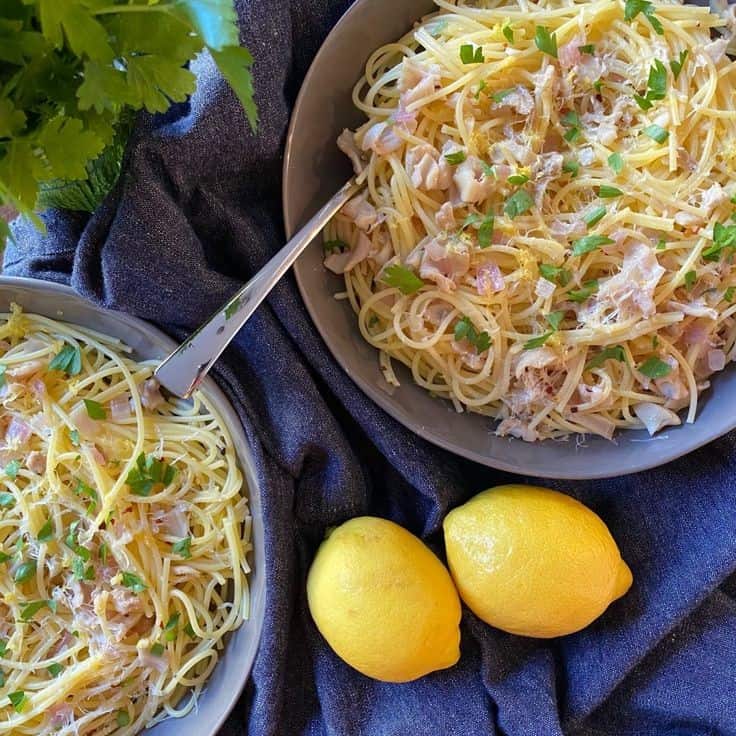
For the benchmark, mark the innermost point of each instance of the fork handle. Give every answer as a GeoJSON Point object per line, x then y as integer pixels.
{"type": "Point", "coordinates": [183, 371]}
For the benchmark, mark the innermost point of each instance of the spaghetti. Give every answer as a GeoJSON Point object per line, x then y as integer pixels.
{"type": "Point", "coordinates": [124, 530]}
{"type": "Point", "coordinates": [545, 236]}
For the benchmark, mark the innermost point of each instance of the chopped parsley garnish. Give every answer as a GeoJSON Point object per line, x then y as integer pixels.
{"type": "Point", "coordinates": [517, 204]}
{"type": "Point", "coordinates": [571, 120]}
{"type": "Point", "coordinates": [95, 410]}
{"type": "Point", "coordinates": [72, 542]}
{"type": "Point", "coordinates": [3, 647]}
{"type": "Point", "coordinates": [724, 239]}
{"type": "Point", "coordinates": [616, 352]}
{"type": "Point", "coordinates": [12, 468]}
{"type": "Point", "coordinates": [82, 489]}
{"type": "Point", "coordinates": [3, 368]}
{"type": "Point", "coordinates": [655, 368]}
{"type": "Point", "coordinates": [46, 532]}
{"type": "Point", "coordinates": [508, 33]}
{"type": "Point", "coordinates": [632, 8]}
{"type": "Point", "coordinates": [485, 231]}
{"type": "Point", "coordinates": [656, 133]}
{"type": "Point", "coordinates": [183, 548]}
{"type": "Point", "coordinates": [588, 48]}
{"type": "Point", "coordinates": [148, 473]}
{"type": "Point", "coordinates": [80, 571]}
{"type": "Point", "coordinates": [330, 246]}
{"type": "Point", "coordinates": [455, 158]}
{"type": "Point", "coordinates": [122, 718]}
{"type": "Point", "coordinates": [545, 41]}
{"type": "Point", "coordinates": [656, 86]}
{"type": "Point", "coordinates": [232, 307]}
{"type": "Point", "coordinates": [488, 170]}
{"type": "Point", "coordinates": [25, 571]}
{"type": "Point", "coordinates": [74, 437]}
{"type": "Point", "coordinates": [587, 290]}
{"type": "Point", "coordinates": [589, 243]}
{"type": "Point", "coordinates": [405, 280]}
{"type": "Point", "coordinates": [31, 609]}
{"type": "Point", "coordinates": [4, 557]}
{"type": "Point", "coordinates": [616, 162]}
{"type": "Point", "coordinates": [102, 553]}
{"type": "Point", "coordinates": [598, 85]}
{"type": "Point", "coordinates": [594, 216]}
{"type": "Point", "coordinates": [18, 700]}
{"type": "Point", "coordinates": [690, 278]}
{"type": "Point", "coordinates": [572, 167]}
{"type": "Point", "coordinates": [55, 669]}
{"type": "Point", "coordinates": [555, 274]}
{"type": "Point", "coordinates": [464, 330]}
{"type": "Point", "coordinates": [676, 64]}
{"type": "Point", "coordinates": [500, 95]}
{"type": "Point", "coordinates": [518, 179]}
{"type": "Point", "coordinates": [470, 54]}
{"type": "Point", "coordinates": [68, 360]}
{"type": "Point", "coordinates": [554, 319]}
{"type": "Point", "coordinates": [472, 219]}
{"type": "Point", "coordinates": [171, 626]}
{"type": "Point", "coordinates": [189, 631]}
{"type": "Point", "coordinates": [7, 500]}
{"type": "Point", "coordinates": [661, 244]}
{"type": "Point", "coordinates": [157, 649]}
{"type": "Point", "coordinates": [729, 293]}
{"type": "Point", "coordinates": [608, 192]}
{"type": "Point", "coordinates": [132, 581]}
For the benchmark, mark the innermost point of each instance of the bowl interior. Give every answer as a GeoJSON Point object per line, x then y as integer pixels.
{"type": "Point", "coordinates": [230, 674]}
{"type": "Point", "coordinates": [314, 169]}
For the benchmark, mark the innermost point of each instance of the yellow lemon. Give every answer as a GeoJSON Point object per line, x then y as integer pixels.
{"type": "Point", "coordinates": [532, 561]}
{"type": "Point", "coordinates": [384, 602]}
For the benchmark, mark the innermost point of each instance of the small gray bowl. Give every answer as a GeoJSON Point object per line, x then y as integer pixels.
{"type": "Point", "coordinates": [314, 169]}
{"type": "Point", "coordinates": [229, 676]}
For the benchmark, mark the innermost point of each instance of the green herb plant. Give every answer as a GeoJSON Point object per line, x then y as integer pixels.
{"type": "Point", "coordinates": [74, 72]}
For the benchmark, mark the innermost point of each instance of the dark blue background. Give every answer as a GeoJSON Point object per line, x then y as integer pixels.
{"type": "Point", "coordinates": [195, 214]}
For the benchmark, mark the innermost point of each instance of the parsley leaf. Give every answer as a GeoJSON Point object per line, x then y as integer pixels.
{"type": "Point", "coordinates": [555, 274]}
{"type": "Point", "coordinates": [3, 368]}
{"type": "Point", "coordinates": [572, 167]}
{"type": "Point", "coordinates": [588, 48]}
{"type": "Point", "coordinates": [615, 352]}
{"type": "Point", "coordinates": [46, 532]}
{"type": "Point", "coordinates": [508, 33]}
{"type": "Point", "coordinates": [12, 468]}
{"type": "Point", "coordinates": [157, 649]}
{"type": "Point", "coordinates": [690, 278]}
{"type": "Point", "coordinates": [55, 669]}
{"type": "Point", "coordinates": [571, 120]}
{"type": "Point", "coordinates": [518, 179]}
{"type": "Point", "coordinates": [183, 548]}
{"type": "Point", "coordinates": [554, 319]}
{"type": "Point", "coordinates": [95, 410]}
{"type": "Point", "coordinates": [632, 8]}
{"type": "Point", "coordinates": [122, 718]}
{"type": "Point", "coordinates": [537, 342]}
{"type": "Point", "coordinates": [68, 360]}
{"type": "Point", "coordinates": [18, 700]}
{"type": "Point", "coordinates": [676, 64]}
{"type": "Point", "coordinates": [405, 280]}
{"type": "Point", "coordinates": [589, 243]}
{"type": "Point", "coordinates": [655, 368]}
{"type": "Point", "coordinates": [580, 295]}
{"type": "Point", "coordinates": [25, 571]}
{"type": "Point", "coordinates": [594, 216]}
{"type": "Point", "coordinates": [545, 41]}
{"type": "Point", "coordinates": [330, 246]}
{"type": "Point", "coordinates": [485, 231]}
{"type": "Point", "coordinates": [656, 133]}
{"type": "Point", "coordinates": [7, 500]}
{"type": "Point", "coordinates": [31, 609]}
{"type": "Point", "coordinates": [465, 330]}
{"type": "Point", "coordinates": [724, 239]}
{"type": "Point", "coordinates": [470, 54]}
{"type": "Point", "coordinates": [499, 96]}
{"type": "Point", "coordinates": [455, 158]}
{"type": "Point", "coordinates": [148, 473]}
{"type": "Point", "coordinates": [132, 581]}
{"type": "Point", "coordinates": [729, 293]}
{"type": "Point", "coordinates": [517, 204]}
{"type": "Point", "coordinates": [616, 162]}
{"type": "Point", "coordinates": [608, 192]}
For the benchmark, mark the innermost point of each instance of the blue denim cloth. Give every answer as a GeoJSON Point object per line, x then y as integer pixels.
{"type": "Point", "coordinates": [197, 212]}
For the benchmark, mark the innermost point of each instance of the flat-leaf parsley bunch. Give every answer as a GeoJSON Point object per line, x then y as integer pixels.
{"type": "Point", "coordinates": [73, 71]}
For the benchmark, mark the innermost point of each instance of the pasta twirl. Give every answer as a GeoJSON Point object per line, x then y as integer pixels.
{"type": "Point", "coordinates": [124, 530]}
{"type": "Point", "coordinates": [545, 236]}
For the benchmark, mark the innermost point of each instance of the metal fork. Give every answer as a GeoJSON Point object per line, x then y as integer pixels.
{"type": "Point", "coordinates": [185, 368]}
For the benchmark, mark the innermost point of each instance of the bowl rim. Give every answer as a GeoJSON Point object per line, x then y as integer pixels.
{"type": "Point", "coordinates": [293, 220]}
{"type": "Point", "coordinates": [227, 696]}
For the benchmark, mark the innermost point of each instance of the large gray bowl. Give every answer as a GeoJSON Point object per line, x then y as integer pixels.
{"type": "Point", "coordinates": [230, 674]}
{"type": "Point", "coordinates": [314, 169]}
